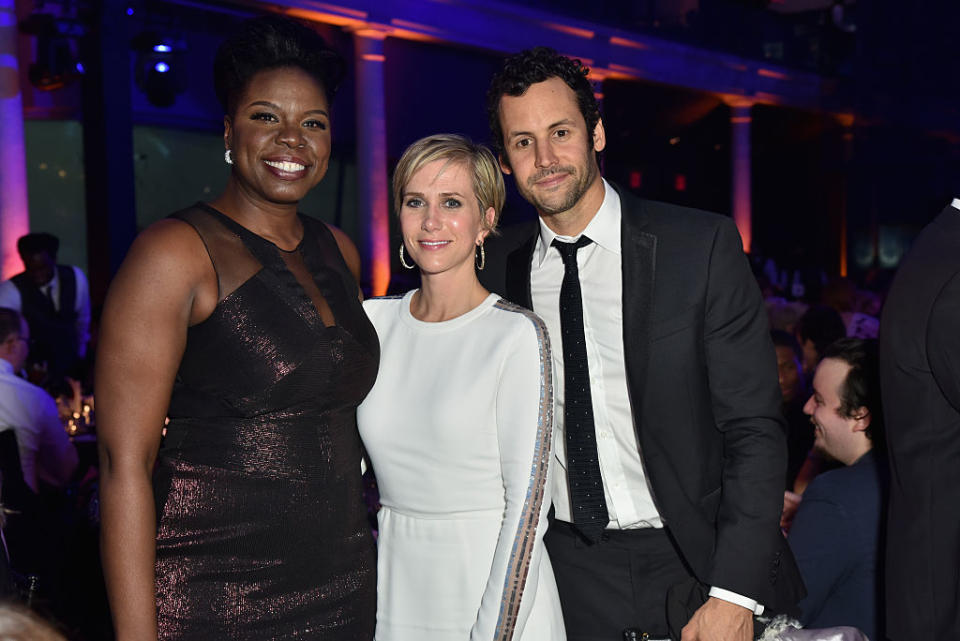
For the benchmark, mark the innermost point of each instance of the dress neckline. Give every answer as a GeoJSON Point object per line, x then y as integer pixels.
{"type": "Point", "coordinates": [447, 325]}
{"type": "Point", "coordinates": [236, 227]}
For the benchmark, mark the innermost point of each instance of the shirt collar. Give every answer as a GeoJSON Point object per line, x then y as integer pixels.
{"type": "Point", "coordinates": [603, 229]}
{"type": "Point", "coordinates": [6, 367]}
{"type": "Point", "coordinates": [956, 203]}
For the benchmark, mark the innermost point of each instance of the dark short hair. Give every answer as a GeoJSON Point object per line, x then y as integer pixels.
{"type": "Point", "coordinates": [786, 339]}
{"type": "Point", "coordinates": [9, 323]}
{"type": "Point", "coordinates": [36, 243]}
{"type": "Point", "coordinates": [273, 42]}
{"type": "Point", "coordinates": [530, 67]}
{"type": "Point", "coordinates": [861, 387]}
{"type": "Point", "coordinates": [822, 325]}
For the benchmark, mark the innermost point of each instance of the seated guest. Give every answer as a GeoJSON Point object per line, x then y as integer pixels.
{"type": "Point", "coordinates": [55, 300]}
{"type": "Point", "coordinates": [836, 532]}
{"type": "Point", "coordinates": [46, 453]}
{"type": "Point", "coordinates": [33, 447]}
{"type": "Point", "coordinates": [793, 390]}
{"type": "Point", "coordinates": [818, 327]}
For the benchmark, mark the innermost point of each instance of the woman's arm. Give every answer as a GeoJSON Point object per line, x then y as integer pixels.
{"type": "Point", "coordinates": [525, 437]}
{"type": "Point", "coordinates": [164, 281]}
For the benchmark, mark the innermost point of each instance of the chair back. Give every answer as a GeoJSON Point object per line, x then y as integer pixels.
{"type": "Point", "coordinates": [15, 494]}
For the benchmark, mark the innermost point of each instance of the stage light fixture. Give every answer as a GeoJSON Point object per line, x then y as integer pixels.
{"type": "Point", "coordinates": [156, 67]}
{"type": "Point", "coordinates": [55, 64]}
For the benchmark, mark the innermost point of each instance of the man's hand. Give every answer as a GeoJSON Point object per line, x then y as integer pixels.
{"type": "Point", "coordinates": [791, 501]}
{"type": "Point", "coordinates": [719, 620]}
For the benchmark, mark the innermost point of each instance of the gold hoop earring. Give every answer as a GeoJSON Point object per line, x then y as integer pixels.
{"type": "Point", "coordinates": [402, 261]}
{"type": "Point", "coordinates": [483, 259]}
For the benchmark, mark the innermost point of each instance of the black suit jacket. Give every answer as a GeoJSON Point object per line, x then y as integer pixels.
{"type": "Point", "coordinates": [703, 387]}
{"type": "Point", "coordinates": [920, 377]}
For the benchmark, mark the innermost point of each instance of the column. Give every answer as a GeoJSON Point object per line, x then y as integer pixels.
{"type": "Point", "coordinates": [107, 144]}
{"type": "Point", "coordinates": [373, 192]}
{"type": "Point", "coordinates": [14, 213]}
{"type": "Point", "coordinates": [846, 121]}
{"type": "Point", "coordinates": [740, 166]}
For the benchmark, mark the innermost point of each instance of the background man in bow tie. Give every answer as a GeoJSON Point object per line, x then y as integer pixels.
{"type": "Point", "coordinates": [671, 443]}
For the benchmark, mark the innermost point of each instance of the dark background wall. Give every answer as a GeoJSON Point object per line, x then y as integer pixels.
{"type": "Point", "coordinates": [886, 176]}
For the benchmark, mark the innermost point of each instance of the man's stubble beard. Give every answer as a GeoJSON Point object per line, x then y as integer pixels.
{"type": "Point", "coordinates": [573, 194]}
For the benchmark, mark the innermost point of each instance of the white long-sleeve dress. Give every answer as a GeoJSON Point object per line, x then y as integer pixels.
{"type": "Point", "coordinates": [459, 429]}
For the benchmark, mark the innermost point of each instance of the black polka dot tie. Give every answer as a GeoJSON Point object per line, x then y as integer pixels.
{"type": "Point", "coordinates": [583, 466]}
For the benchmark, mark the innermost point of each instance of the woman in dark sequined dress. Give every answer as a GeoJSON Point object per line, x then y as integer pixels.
{"type": "Point", "coordinates": [240, 320]}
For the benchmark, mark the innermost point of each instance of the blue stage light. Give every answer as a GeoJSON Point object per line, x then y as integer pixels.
{"type": "Point", "coordinates": [162, 48]}
{"type": "Point", "coordinates": [162, 67]}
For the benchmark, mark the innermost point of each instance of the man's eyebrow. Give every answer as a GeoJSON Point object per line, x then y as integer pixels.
{"type": "Point", "coordinates": [565, 121]}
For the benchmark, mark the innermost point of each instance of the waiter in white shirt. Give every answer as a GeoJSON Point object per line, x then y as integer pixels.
{"type": "Point", "coordinates": [671, 440]}
{"type": "Point", "coordinates": [46, 453]}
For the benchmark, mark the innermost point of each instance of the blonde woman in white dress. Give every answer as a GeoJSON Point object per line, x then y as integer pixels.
{"type": "Point", "coordinates": [459, 425]}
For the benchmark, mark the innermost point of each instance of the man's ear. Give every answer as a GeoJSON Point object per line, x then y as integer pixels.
{"type": "Point", "coordinates": [599, 137]}
{"type": "Point", "coordinates": [861, 419]}
{"type": "Point", "coordinates": [504, 164]}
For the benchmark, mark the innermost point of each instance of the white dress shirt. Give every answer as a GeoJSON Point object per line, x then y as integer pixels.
{"type": "Point", "coordinates": [46, 452]}
{"type": "Point", "coordinates": [10, 297]}
{"type": "Point", "coordinates": [630, 503]}
{"type": "Point", "coordinates": [955, 203]}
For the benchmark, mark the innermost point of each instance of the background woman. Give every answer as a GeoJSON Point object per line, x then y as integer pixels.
{"type": "Point", "coordinates": [459, 423]}
{"type": "Point", "coordinates": [248, 313]}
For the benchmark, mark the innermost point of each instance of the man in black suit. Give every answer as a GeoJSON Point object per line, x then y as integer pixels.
{"type": "Point", "coordinates": [920, 378]}
{"type": "Point", "coordinates": [669, 395]}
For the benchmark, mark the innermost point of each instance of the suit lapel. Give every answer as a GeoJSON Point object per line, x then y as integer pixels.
{"type": "Point", "coordinates": [518, 273]}
{"type": "Point", "coordinates": [638, 263]}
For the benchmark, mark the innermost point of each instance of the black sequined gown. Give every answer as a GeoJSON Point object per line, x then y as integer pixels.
{"type": "Point", "coordinates": [261, 528]}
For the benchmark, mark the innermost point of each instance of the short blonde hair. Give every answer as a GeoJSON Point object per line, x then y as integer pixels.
{"type": "Point", "coordinates": [487, 180]}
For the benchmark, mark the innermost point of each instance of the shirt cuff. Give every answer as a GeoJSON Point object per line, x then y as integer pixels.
{"type": "Point", "coordinates": [738, 599]}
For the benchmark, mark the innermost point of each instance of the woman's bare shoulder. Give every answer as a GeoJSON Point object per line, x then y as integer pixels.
{"type": "Point", "coordinates": [349, 251]}
{"type": "Point", "coordinates": [171, 245]}
{"type": "Point", "coordinates": [167, 260]}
